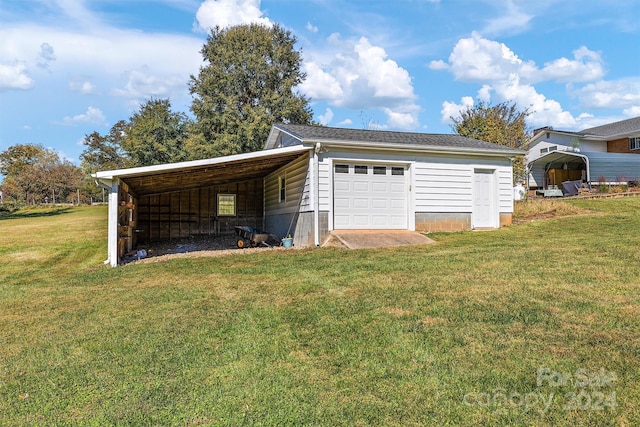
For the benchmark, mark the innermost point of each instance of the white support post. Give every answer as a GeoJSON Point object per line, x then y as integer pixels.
{"type": "Point", "coordinates": [112, 245]}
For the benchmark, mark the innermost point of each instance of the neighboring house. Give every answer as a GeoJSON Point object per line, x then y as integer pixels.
{"type": "Point", "coordinates": [309, 181]}
{"type": "Point", "coordinates": [608, 153]}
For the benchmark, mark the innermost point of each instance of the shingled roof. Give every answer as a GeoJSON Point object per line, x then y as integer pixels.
{"type": "Point", "coordinates": [617, 128]}
{"type": "Point", "coordinates": [329, 134]}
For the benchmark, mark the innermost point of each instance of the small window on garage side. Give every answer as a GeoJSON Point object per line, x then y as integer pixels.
{"type": "Point", "coordinates": [379, 170]}
{"type": "Point", "coordinates": [341, 168]}
{"type": "Point", "coordinates": [226, 204]}
{"type": "Point", "coordinates": [359, 169]}
{"type": "Point", "coordinates": [397, 171]}
{"type": "Point", "coordinates": [282, 189]}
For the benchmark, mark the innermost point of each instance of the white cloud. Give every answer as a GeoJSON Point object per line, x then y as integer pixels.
{"type": "Point", "coordinates": [402, 118]}
{"type": "Point", "coordinates": [484, 94]}
{"type": "Point", "coordinates": [226, 13]}
{"type": "Point", "coordinates": [85, 87]}
{"type": "Point", "coordinates": [319, 84]}
{"type": "Point", "coordinates": [438, 65]}
{"type": "Point", "coordinates": [544, 111]}
{"type": "Point", "coordinates": [326, 118]}
{"type": "Point", "coordinates": [105, 54]}
{"type": "Point", "coordinates": [512, 21]}
{"type": "Point", "coordinates": [451, 109]}
{"type": "Point", "coordinates": [586, 66]}
{"type": "Point", "coordinates": [632, 111]}
{"type": "Point", "coordinates": [14, 77]}
{"type": "Point", "coordinates": [506, 77]}
{"type": "Point", "coordinates": [311, 27]}
{"type": "Point", "coordinates": [142, 83]}
{"type": "Point", "coordinates": [345, 122]}
{"type": "Point", "coordinates": [622, 93]}
{"type": "Point", "coordinates": [476, 59]}
{"type": "Point", "coordinates": [91, 116]}
{"type": "Point", "coordinates": [358, 75]}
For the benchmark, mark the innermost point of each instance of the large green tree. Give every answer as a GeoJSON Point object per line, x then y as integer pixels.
{"type": "Point", "coordinates": [155, 134]}
{"type": "Point", "coordinates": [502, 124]}
{"type": "Point", "coordinates": [248, 83]}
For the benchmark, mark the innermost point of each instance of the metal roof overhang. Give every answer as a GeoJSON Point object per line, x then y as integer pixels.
{"type": "Point", "coordinates": [559, 158]}
{"type": "Point", "coordinates": [167, 178]}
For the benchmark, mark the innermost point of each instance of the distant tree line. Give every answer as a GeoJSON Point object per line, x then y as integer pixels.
{"type": "Point", "coordinates": [35, 174]}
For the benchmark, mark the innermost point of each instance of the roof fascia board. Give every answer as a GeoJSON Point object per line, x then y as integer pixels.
{"type": "Point", "coordinates": [172, 167]}
{"type": "Point", "coordinates": [414, 148]}
{"type": "Point", "coordinates": [613, 136]}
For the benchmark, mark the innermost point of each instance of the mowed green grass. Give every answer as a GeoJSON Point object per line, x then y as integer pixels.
{"type": "Point", "coordinates": [447, 334]}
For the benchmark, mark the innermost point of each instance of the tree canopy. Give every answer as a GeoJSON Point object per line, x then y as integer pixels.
{"type": "Point", "coordinates": [155, 134]}
{"type": "Point", "coordinates": [105, 152]}
{"type": "Point", "coordinates": [501, 124]}
{"type": "Point", "coordinates": [248, 83]}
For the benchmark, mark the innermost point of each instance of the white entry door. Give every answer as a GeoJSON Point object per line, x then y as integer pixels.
{"type": "Point", "coordinates": [369, 196]}
{"type": "Point", "coordinates": [484, 200]}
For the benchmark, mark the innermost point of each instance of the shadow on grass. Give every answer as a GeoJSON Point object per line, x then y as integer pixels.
{"type": "Point", "coordinates": [34, 213]}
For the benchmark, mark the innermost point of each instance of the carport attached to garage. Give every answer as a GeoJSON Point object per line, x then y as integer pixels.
{"type": "Point", "coordinates": [189, 198]}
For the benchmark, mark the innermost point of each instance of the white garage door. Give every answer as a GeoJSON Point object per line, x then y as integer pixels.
{"type": "Point", "coordinates": [369, 196]}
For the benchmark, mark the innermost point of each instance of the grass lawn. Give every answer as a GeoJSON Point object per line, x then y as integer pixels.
{"type": "Point", "coordinates": [536, 324]}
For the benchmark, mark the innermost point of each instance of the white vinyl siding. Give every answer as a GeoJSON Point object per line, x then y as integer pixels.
{"type": "Point", "coordinates": [297, 181]}
{"type": "Point", "coordinates": [325, 189]}
{"type": "Point", "coordinates": [442, 187]}
{"type": "Point", "coordinates": [504, 175]}
{"type": "Point", "coordinates": [446, 184]}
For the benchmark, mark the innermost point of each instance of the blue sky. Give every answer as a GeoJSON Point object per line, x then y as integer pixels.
{"type": "Point", "coordinates": [71, 67]}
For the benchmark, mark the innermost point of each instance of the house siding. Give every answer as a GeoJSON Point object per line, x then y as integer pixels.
{"type": "Point", "coordinates": [279, 216]}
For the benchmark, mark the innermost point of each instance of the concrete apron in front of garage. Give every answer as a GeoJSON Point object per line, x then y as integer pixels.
{"type": "Point", "coordinates": [365, 239]}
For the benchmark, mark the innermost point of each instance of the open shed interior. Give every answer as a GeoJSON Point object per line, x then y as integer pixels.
{"type": "Point", "coordinates": [208, 200]}
{"type": "Point", "coordinates": [213, 210]}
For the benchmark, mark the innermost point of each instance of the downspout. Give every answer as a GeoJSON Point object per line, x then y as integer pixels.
{"type": "Point", "coordinates": [316, 195]}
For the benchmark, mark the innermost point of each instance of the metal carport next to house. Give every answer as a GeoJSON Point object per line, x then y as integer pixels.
{"type": "Point", "coordinates": [182, 199]}
{"type": "Point", "coordinates": [597, 166]}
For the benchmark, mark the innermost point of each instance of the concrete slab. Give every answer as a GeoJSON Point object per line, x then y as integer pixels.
{"type": "Point", "coordinates": [363, 239]}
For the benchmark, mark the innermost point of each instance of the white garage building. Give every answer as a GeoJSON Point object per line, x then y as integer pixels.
{"type": "Point", "coordinates": [311, 180]}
